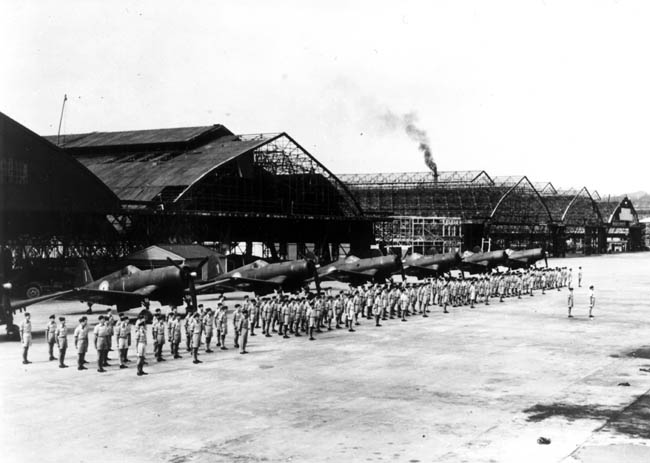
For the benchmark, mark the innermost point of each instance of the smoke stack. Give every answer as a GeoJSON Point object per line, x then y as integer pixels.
{"type": "Point", "coordinates": [407, 122]}
{"type": "Point", "coordinates": [428, 160]}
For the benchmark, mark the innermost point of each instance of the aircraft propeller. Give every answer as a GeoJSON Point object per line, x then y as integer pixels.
{"type": "Point", "coordinates": [401, 269]}
{"type": "Point", "coordinates": [312, 262]}
{"type": "Point", "coordinates": [188, 275]}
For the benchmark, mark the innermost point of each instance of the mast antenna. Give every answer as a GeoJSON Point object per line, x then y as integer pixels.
{"type": "Point", "coordinates": [58, 135]}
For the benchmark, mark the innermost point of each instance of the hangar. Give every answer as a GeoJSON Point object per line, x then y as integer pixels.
{"type": "Point", "coordinates": [462, 209]}
{"type": "Point", "coordinates": [50, 204]}
{"type": "Point", "coordinates": [209, 185]}
{"type": "Point", "coordinates": [581, 228]}
{"type": "Point", "coordinates": [469, 209]}
{"type": "Point", "coordinates": [624, 230]}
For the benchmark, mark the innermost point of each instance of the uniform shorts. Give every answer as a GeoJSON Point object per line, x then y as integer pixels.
{"type": "Point", "coordinates": [82, 346]}
{"type": "Point", "coordinates": [141, 349]}
{"type": "Point", "coordinates": [122, 343]}
{"type": "Point", "coordinates": [27, 340]}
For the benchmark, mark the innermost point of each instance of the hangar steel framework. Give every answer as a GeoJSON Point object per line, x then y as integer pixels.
{"type": "Point", "coordinates": [462, 210]}
{"type": "Point", "coordinates": [207, 185]}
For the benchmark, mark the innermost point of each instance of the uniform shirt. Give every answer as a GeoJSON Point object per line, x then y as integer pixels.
{"type": "Point", "coordinates": [101, 333]}
{"type": "Point", "coordinates": [349, 309]}
{"type": "Point", "coordinates": [158, 331]}
{"type": "Point", "coordinates": [208, 322]}
{"type": "Point", "coordinates": [50, 332]}
{"type": "Point", "coordinates": [123, 330]}
{"type": "Point", "coordinates": [110, 322]}
{"type": "Point", "coordinates": [81, 333]}
{"type": "Point", "coordinates": [62, 332]}
{"type": "Point", "coordinates": [26, 328]}
{"type": "Point", "coordinates": [175, 330]}
{"type": "Point", "coordinates": [236, 317]}
{"type": "Point", "coordinates": [141, 334]}
{"type": "Point", "coordinates": [243, 324]}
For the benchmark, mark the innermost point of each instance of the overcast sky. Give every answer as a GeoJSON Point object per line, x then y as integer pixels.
{"type": "Point", "coordinates": [556, 90]}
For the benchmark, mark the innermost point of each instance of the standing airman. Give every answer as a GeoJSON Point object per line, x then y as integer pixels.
{"type": "Point", "coordinates": [62, 341]}
{"type": "Point", "coordinates": [81, 342]}
{"type": "Point", "coordinates": [141, 344]}
{"type": "Point", "coordinates": [101, 334]}
{"type": "Point", "coordinates": [50, 335]}
{"type": "Point", "coordinates": [123, 333]}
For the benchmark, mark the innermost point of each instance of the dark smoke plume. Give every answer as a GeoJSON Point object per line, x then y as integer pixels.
{"type": "Point", "coordinates": [407, 123]}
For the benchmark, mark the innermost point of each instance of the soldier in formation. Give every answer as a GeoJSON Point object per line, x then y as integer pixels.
{"type": "Point", "coordinates": [298, 314]}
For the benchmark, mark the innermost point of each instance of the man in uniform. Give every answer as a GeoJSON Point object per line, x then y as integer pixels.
{"type": "Point", "coordinates": [570, 301]}
{"type": "Point", "coordinates": [350, 313]}
{"type": "Point", "coordinates": [312, 320]}
{"type": "Point", "coordinates": [26, 336]}
{"type": "Point", "coordinates": [222, 326]}
{"type": "Point", "coordinates": [101, 343]}
{"type": "Point", "coordinates": [158, 336]}
{"type": "Point", "coordinates": [243, 327]}
{"type": "Point", "coordinates": [175, 329]}
{"type": "Point", "coordinates": [110, 323]}
{"type": "Point", "coordinates": [208, 326]}
{"type": "Point", "coordinates": [188, 331]}
{"type": "Point", "coordinates": [592, 300]}
{"type": "Point", "coordinates": [122, 332]}
{"type": "Point", "coordinates": [236, 317]}
{"type": "Point", "coordinates": [81, 342]}
{"type": "Point", "coordinates": [266, 316]}
{"type": "Point", "coordinates": [50, 335]}
{"type": "Point", "coordinates": [196, 327]}
{"type": "Point", "coordinates": [287, 318]}
{"type": "Point", "coordinates": [62, 341]}
{"type": "Point", "coordinates": [579, 277]}
{"type": "Point", "coordinates": [141, 344]}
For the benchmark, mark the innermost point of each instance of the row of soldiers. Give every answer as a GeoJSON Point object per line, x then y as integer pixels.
{"type": "Point", "coordinates": [288, 315]}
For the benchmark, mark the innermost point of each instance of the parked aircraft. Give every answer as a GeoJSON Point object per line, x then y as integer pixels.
{"type": "Point", "coordinates": [432, 265]}
{"type": "Point", "coordinates": [262, 277]}
{"type": "Point", "coordinates": [481, 262]}
{"type": "Point", "coordinates": [525, 258]}
{"type": "Point", "coordinates": [131, 287]}
{"type": "Point", "coordinates": [358, 271]}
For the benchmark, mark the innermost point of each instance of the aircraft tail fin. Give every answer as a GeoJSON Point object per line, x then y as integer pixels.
{"type": "Point", "coordinates": [82, 274]}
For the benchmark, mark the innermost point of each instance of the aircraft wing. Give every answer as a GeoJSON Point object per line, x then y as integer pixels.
{"type": "Point", "coordinates": [418, 269]}
{"type": "Point", "coordinates": [146, 291]}
{"type": "Point", "coordinates": [517, 263]}
{"type": "Point", "coordinates": [238, 282]}
{"type": "Point", "coordinates": [475, 267]}
{"type": "Point", "coordinates": [338, 273]}
{"type": "Point", "coordinates": [27, 302]}
{"type": "Point", "coordinates": [122, 299]}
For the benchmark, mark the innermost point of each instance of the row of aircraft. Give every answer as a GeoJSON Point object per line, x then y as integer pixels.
{"type": "Point", "coordinates": [132, 287]}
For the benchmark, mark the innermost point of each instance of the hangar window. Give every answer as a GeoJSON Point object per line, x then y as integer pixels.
{"type": "Point", "coordinates": [13, 172]}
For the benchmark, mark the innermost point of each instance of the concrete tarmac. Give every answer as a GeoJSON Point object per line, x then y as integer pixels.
{"type": "Point", "coordinates": [475, 385]}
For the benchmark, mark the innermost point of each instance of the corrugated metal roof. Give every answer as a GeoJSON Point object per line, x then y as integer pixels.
{"type": "Point", "coordinates": [45, 178]}
{"type": "Point", "coordinates": [144, 180]}
{"type": "Point", "coordinates": [135, 137]}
